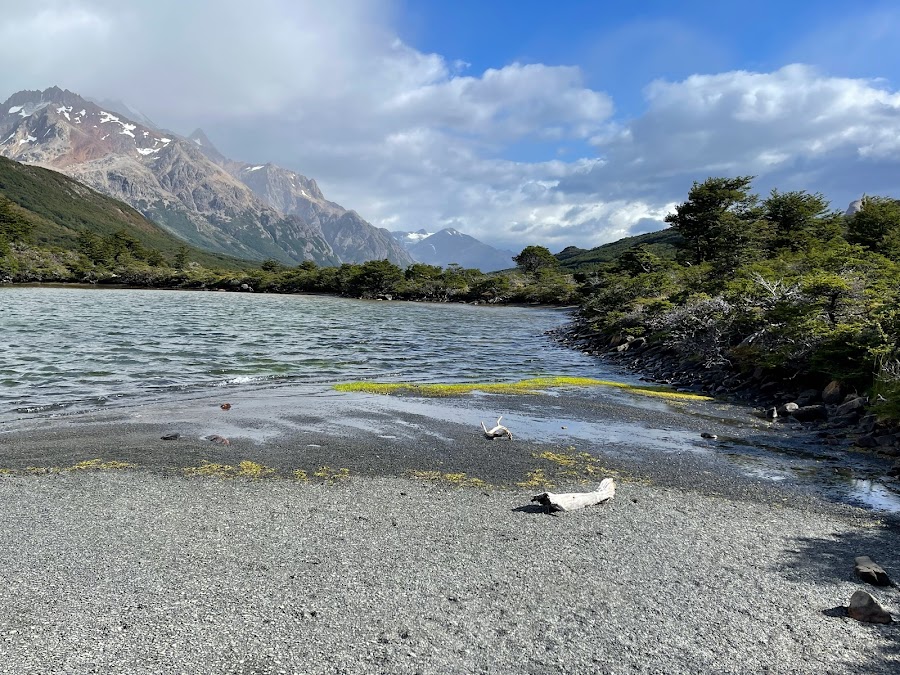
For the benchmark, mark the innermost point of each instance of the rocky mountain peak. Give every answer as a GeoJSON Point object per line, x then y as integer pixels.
{"type": "Point", "coordinates": [186, 185]}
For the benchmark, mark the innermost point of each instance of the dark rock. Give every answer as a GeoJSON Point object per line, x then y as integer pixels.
{"type": "Point", "coordinates": [871, 572]}
{"type": "Point", "coordinates": [847, 420]}
{"type": "Point", "coordinates": [886, 441]}
{"type": "Point", "coordinates": [788, 408]}
{"type": "Point", "coordinates": [894, 471]}
{"type": "Point", "coordinates": [867, 423]}
{"type": "Point", "coordinates": [833, 392]}
{"type": "Point", "coordinates": [811, 413]}
{"type": "Point", "coordinates": [772, 413]}
{"type": "Point", "coordinates": [708, 435]}
{"type": "Point", "coordinates": [807, 397]}
{"type": "Point", "coordinates": [867, 441]}
{"type": "Point", "coordinates": [863, 607]}
{"type": "Point", "coordinates": [171, 437]}
{"type": "Point", "coordinates": [855, 404]}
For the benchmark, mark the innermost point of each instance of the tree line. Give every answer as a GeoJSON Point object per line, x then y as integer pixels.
{"type": "Point", "coordinates": [782, 283]}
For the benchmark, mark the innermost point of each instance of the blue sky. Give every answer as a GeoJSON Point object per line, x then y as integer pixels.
{"type": "Point", "coordinates": [567, 123]}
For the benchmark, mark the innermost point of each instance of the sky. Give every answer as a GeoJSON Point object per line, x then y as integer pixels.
{"type": "Point", "coordinates": [572, 123]}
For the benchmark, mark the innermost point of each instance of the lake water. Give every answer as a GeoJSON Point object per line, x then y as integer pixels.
{"type": "Point", "coordinates": [74, 349]}
{"type": "Point", "coordinates": [67, 351]}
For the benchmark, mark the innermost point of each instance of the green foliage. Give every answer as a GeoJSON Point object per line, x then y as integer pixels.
{"type": "Point", "coordinates": [721, 222]}
{"type": "Point", "coordinates": [375, 278]}
{"type": "Point", "coordinates": [876, 224]}
{"type": "Point", "coordinates": [800, 297]}
{"type": "Point", "coordinates": [14, 226]}
{"type": "Point", "coordinates": [535, 258]}
{"type": "Point", "coordinates": [798, 218]}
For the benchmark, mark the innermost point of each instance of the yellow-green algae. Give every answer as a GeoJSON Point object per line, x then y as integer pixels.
{"type": "Point", "coordinates": [457, 479]}
{"type": "Point", "coordinates": [245, 469]}
{"type": "Point", "coordinates": [326, 473]}
{"type": "Point", "coordinates": [533, 385]}
{"type": "Point", "coordinates": [568, 465]}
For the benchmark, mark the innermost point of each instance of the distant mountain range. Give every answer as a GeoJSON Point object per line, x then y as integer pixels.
{"type": "Point", "coordinates": [451, 246]}
{"type": "Point", "coordinates": [186, 185]}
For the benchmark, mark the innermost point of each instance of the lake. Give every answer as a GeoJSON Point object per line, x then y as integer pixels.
{"type": "Point", "coordinates": [67, 350]}
{"type": "Point", "coordinates": [80, 355]}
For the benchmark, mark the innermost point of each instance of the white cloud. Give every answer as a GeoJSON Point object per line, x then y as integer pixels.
{"type": "Point", "coordinates": [412, 140]}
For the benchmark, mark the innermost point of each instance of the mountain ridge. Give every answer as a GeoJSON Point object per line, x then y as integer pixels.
{"type": "Point", "coordinates": [186, 185]}
{"type": "Point", "coordinates": [448, 246]}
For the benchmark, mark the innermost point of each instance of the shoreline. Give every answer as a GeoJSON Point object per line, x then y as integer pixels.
{"type": "Point", "coordinates": [379, 575]}
{"type": "Point", "coordinates": [694, 566]}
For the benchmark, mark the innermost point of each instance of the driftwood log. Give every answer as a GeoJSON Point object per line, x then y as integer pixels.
{"type": "Point", "coordinates": [499, 431]}
{"type": "Point", "coordinates": [570, 501]}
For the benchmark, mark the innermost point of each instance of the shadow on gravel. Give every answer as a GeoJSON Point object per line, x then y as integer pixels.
{"type": "Point", "coordinates": [534, 509]}
{"type": "Point", "coordinates": [830, 560]}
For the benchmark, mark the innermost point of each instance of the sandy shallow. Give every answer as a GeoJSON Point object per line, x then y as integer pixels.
{"type": "Point", "coordinates": [695, 566]}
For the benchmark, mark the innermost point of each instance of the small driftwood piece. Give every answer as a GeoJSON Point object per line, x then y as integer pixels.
{"type": "Point", "coordinates": [570, 501]}
{"type": "Point", "coordinates": [499, 431]}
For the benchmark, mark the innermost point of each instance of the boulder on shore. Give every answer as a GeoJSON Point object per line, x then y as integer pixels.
{"type": "Point", "coordinates": [811, 413]}
{"type": "Point", "coordinates": [863, 607]}
{"type": "Point", "coordinates": [833, 392]}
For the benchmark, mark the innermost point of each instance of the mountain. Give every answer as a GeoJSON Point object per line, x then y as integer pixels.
{"type": "Point", "coordinates": [451, 246]}
{"type": "Point", "coordinates": [59, 209]}
{"type": "Point", "coordinates": [663, 243]}
{"type": "Point", "coordinates": [185, 184]}
{"type": "Point", "coordinates": [351, 237]}
{"type": "Point", "coordinates": [407, 239]}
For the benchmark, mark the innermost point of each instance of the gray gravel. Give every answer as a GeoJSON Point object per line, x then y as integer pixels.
{"type": "Point", "coordinates": [137, 572]}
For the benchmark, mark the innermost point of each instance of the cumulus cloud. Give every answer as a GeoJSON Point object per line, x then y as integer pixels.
{"type": "Point", "coordinates": [411, 140]}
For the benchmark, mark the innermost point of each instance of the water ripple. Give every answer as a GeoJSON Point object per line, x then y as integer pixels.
{"type": "Point", "coordinates": [76, 348]}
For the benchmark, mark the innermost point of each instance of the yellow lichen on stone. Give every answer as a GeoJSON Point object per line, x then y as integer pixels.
{"type": "Point", "coordinates": [300, 475]}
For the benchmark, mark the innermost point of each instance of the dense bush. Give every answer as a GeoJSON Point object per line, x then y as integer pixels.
{"type": "Point", "coordinates": [784, 284]}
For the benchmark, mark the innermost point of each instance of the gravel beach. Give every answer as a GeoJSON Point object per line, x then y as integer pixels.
{"type": "Point", "coordinates": [428, 557]}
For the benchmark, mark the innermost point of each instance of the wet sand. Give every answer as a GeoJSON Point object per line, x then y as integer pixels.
{"type": "Point", "coordinates": [430, 557]}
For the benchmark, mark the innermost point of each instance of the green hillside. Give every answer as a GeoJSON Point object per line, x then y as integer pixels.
{"type": "Point", "coordinates": [663, 243]}
{"type": "Point", "coordinates": [58, 210]}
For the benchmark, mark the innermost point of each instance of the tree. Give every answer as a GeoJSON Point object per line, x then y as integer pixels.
{"type": "Point", "coordinates": [12, 226]}
{"type": "Point", "coordinates": [639, 260]}
{"type": "Point", "coordinates": [375, 278]}
{"type": "Point", "coordinates": [271, 265]}
{"type": "Point", "coordinates": [534, 258]}
{"type": "Point", "coordinates": [875, 224]}
{"type": "Point", "coordinates": [181, 257]}
{"type": "Point", "coordinates": [712, 210]}
{"type": "Point", "coordinates": [797, 217]}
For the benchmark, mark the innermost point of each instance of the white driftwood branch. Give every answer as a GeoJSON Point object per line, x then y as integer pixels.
{"type": "Point", "coordinates": [570, 501]}
{"type": "Point", "coordinates": [499, 431]}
